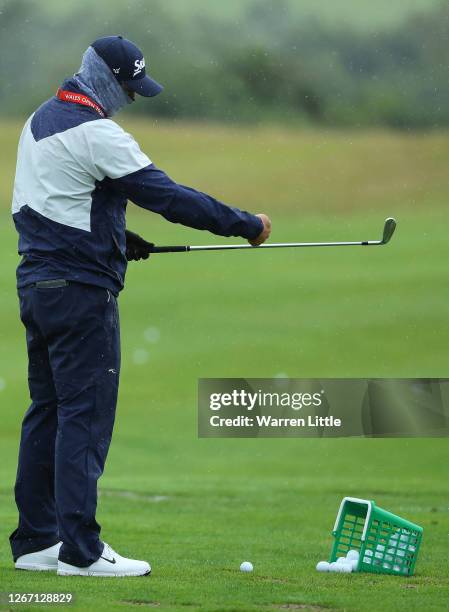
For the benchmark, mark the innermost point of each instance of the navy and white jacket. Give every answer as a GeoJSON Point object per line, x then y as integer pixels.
{"type": "Point", "coordinates": [75, 172]}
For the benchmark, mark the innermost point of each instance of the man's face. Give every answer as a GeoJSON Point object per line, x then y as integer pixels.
{"type": "Point", "coordinates": [131, 94]}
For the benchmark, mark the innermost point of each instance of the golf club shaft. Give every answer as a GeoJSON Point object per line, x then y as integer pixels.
{"type": "Point", "coordinates": [280, 245]}
{"type": "Point", "coordinates": [389, 228]}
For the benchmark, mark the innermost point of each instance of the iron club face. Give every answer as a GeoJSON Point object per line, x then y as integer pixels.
{"type": "Point", "coordinates": [389, 228]}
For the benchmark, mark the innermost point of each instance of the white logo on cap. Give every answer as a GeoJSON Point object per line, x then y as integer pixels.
{"type": "Point", "coordinates": [116, 70]}
{"type": "Point", "coordinates": [140, 65]}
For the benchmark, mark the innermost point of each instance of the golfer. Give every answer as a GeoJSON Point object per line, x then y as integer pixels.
{"type": "Point", "coordinates": [76, 169]}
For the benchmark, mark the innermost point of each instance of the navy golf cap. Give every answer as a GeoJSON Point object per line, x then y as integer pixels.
{"type": "Point", "coordinates": [127, 64]}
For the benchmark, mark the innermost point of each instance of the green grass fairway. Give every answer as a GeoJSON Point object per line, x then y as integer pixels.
{"type": "Point", "coordinates": [198, 508]}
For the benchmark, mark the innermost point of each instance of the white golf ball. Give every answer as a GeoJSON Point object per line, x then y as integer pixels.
{"type": "Point", "coordinates": [341, 560]}
{"type": "Point", "coordinates": [367, 560]}
{"type": "Point", "coordinates": [378, 555]}
{"type": "Point", "coordinates": [322, 566]}
{"type": "Point", "coordinates": [341, 568]}
{"type": "Point", "coordinates": [368, 556]}
{"type": "Point", "coordinates": [246, 566]}
{"type": "Point", "coordinates": [353, 555]}
{"type": "Point", "coordinates": [346, 567]}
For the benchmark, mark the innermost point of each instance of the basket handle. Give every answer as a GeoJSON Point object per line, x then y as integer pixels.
{"type": "Point", "coordinates": [357, 500]}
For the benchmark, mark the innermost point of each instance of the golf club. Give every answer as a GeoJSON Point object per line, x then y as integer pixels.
{"type": "Point", "coordinates": [389, 228]}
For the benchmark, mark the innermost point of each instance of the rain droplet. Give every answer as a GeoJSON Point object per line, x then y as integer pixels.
{"type": "Point", "coordinates": [140, 356]}
{"type": "Point", "coordinates": [152, 334]}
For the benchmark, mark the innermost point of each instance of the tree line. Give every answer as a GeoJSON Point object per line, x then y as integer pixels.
{"type": "Point", "coordinates": [267, 65]}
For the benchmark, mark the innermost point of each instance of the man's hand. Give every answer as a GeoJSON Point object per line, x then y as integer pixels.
{"type": "Point", "coordinates": [265, 233]}
{"type": "Point", "coordinates": [136, 247]}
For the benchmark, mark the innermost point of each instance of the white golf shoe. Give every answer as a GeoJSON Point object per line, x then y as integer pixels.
{"type": "Point", "coordinates": [110, 564]}
{"type": "Point", "coordinates": [43, 560]}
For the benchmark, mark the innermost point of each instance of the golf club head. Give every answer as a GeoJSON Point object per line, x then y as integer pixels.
{"type": "Point", "coordinates": [389, 227]}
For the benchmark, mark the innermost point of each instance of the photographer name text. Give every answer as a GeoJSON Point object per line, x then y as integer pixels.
{"type": "Point", "coordinates": [269, 421]}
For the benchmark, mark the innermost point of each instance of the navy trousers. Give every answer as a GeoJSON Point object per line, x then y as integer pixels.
{"type": "Point", "coordinates": [73, 342]}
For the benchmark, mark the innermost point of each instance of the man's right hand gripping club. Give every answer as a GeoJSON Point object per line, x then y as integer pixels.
{"type": "Point", "coordinates": [265, 233]}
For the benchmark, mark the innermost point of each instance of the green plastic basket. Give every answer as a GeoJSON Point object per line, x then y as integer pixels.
{"type": "Point", "coordinates": [387, 544]}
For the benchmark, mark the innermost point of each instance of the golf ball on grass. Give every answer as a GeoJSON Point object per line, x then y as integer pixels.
{"type": "Point", "coordinates": [343, 565]}
{"type": "Point", "coordinates": [322, 566]}
{"type": "Point", "coordinates": [246, 566]}
{"type": "Point", "coordinates": [340, 567]}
